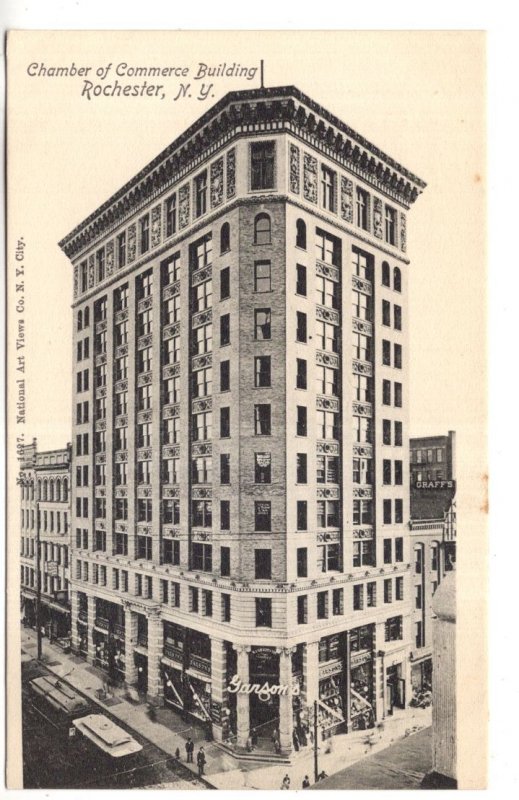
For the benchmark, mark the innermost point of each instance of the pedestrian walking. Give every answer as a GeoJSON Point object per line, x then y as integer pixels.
{"type": "Point", "coordinates": [286, 782]}
{"type": "Point", "coordinates": [189, 750]}
{"type": "Point", "coordinates": [200, 760]}
{"type": "Point", "coordinates": [306, 782]}
{"type": "Point", "coordinates": [295, 740]}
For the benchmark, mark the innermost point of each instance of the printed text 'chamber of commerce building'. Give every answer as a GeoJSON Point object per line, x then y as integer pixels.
{"type": "Point", "coordinates": [240, 497]}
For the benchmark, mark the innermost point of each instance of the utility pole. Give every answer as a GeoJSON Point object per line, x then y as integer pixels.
{"type": "Point", "coordinates": [38, 577]}
{"type": "Point", "coordinates": [316, 744]}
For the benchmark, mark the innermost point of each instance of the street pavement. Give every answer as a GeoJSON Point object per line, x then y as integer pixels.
{"type": "Point", "coordinates": [224, 771]}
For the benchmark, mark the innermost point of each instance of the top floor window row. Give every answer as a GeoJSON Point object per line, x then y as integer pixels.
{"type": "Point", "coordinates": [262, 165]}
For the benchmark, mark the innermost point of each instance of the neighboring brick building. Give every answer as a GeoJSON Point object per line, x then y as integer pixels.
{"type": "Point", "coordinates": [241, 501]}
{"type": "Point", "coordinates": [433, 537]}
{"type": "Point", "coordinates": [45, 491]}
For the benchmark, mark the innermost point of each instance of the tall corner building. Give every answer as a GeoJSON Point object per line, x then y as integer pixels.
{"type": "Point", "coordinates": [241, 510]}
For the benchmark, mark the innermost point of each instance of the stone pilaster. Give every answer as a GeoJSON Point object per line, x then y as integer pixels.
{"type": "Point", "coordinates": [155, 651]}
{"type": "Point", "coordinates": [379, 668]}
{"type": "Point", "coordinates": [130, 636]}
{"type": "Point", "coordinates": [286, 716]}
{"type": "Point", "coordinates": [218, 682]}
{"type": "Point", "coordinates": [311, 673]}
{"type": "Point", "coordinates": [74, 615]}
{"type": "Point", "coordinates": [242, 700]}
{"type": "Point", "coordinates": [91, 616]}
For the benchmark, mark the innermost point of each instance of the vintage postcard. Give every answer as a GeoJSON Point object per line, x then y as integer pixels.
{"type": "Point", "coordinates": [246, 410]}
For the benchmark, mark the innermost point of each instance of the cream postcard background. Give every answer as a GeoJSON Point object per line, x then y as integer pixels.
{"type": "Point", "coordinates": [418, 96]}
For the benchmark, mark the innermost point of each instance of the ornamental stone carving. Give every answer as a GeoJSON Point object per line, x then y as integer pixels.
{"type": "Point", "coordinates": [202, 449]}
{"type": "Point", "coordinates": [231, 173]}
{"type": "Point", "coordinates": [76, 281]}
{"type": "Point", "coordinates": [121, 351]}
{"type": "Point", "coordinates": [144, 304]}
{"type": "Point", "coordinates": [90, 272]}
{"type": "Point", "coordinates": [201, 536]}
{"type": "Point", "coordinates": [100, 359]}
{"type": "Point", "coordinates": [202, 318]}
{"type": "Point", "coordinates": [121, 316]}
{"type": "Point", "coordinates": [199, 362]}
{"type": "Point", "coordinates": [171, 411]}
{"type": "Point", "coordinates": [294, 169]}
{"type": "Point", "coordinates": [362, 368]}
{"type": "Point", "coordinates": [143, 492]}
{"type": "Point", "coordinates": [201, 493]}
{"type": "Point", "coordinates": [364, 492]}
{"type": "Point", "coordinates": [361, 326]}
{"type": "Point", "coordinates": [100, 425]}
{"type": "Point", "coordinates": [171, 371]}
{"type": "Point", "coordinates": [101, 326]}
{"type": "Point", "coordinates": [201, 275]}
{"type": "Point", "coordinates": [377, 217]}
{"type": "Point", "coordinates": [121, 456]}
{"type": "Point", "coordinates": [326, 359]}
{"type": "Point", "coordinates": [100, 491]}
{"type": "Point", "coordinates": [346, 199]}
{"type": "Point", "coordinates": [171, 451]}
{"type": "Point", "coordinates": [217, 183]}
{"type": "Point", "coordinates": [204, 404]}
{"type": "Point", "coordinates": [362, 409]}
{"type": "Point", "coordinates": [327, 271]}
{"type": "Point", "coordinates": [145, 341]}
{"type": "Point", "coordinates": [328, 536]}
{"type": "Point", "coordinates": [170, 492]}
{"type": "Point", "coordinates": [327, 403]}
{"type": "Point", "coordinates": [363, 450]}
{"type": "Point", "coordinates": [171, 330]}
{"type": "Point", "coordinates": [310, 178]}
{"type": "Point", "coordinates": [170, 533]}
{"type": "Point", "coordinates": [121, 492]}
{"type": "Point", "coordinates": [183, 206]}
{"type": "Point", "coordinates": [144, 454]}
{"type": "Point", "coordinates": [121, 527]}
{"type": "Point", "coordinates": [110, 260]}
{"type": "Point", "coordinates": [155, 226]}
{"type": "Point", "coordinates": [144, 416]}
{"type": "Point", "coordinates": [361, 286]}
{"type": "Point", "coordinates": [171, 291]}
{"type": "Point", "coordinates": [327, 315]}
{"type": "Point", "coordinates": [331, 493]}
{"type": "Point", "coordinates": [101, 391]}
{"type": "Point", "coordinates": [144, 529]}
{"type": "Point", "coordinates": [131, 249]}
{"type": "Point", "coordinates": [327, 448]}
{"type": "Point", "coordinates": [121, 386]}
{"type": "Point", "coordinates": [144, 378]}
{"type": "Point", "coordinates": [363, 533]}
{"type": "Point", "coordinates": [121, 421]}
{"type": "Point", "coordinates": [403, 233]}
{"type": "Point", "coordinates": [101, 524]}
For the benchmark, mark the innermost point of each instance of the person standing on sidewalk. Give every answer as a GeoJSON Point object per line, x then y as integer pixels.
{"type": "Point", "coordinates": [189, 750]}
{"type": "Point", "coordinates": [306, 782]}
{"type": "Point", "coordinates": [286, 782]}
{"type": "Point", "coordinates": [200, 760]}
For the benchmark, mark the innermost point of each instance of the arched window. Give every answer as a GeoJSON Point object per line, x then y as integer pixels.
{"type": "Point", "coordinates": [262, 229]}
{"type": "Point", "coordinates": [80, 321]}
{"type": "Point", "coordinates": [397, 279]}
{"type": "Point", "coordinates": [300, 234]}
{"type": "Point", "coordinates": [51, 490]}
{"type": "Point", "coordinates": [44, 490]}
{"type": "Point", "coordinates": [40, 489]}
{"type": "Point", "coordinates": [58, 490]}
{"type": "Point", "coordinates": [86, 317]}
{"type": "Point", "coordinates": [65, 490]}
{"type": "Point", "coordinates": [225, 237]}
{"type": "Point", "coordinates": [385, 274]}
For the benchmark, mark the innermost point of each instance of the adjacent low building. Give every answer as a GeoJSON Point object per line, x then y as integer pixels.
{"type": "Point", "coordinates": [45, 516]}
{"type": "Point", "coordinates": [433, 539]}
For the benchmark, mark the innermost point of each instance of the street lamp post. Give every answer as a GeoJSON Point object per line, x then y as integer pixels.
{"type": "Point", "coordinates": [316, 744]}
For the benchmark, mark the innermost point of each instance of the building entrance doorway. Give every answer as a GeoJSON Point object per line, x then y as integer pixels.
{"type": "Point", "coordinates": [141, 662]}
{"type": "Point", "coordinates": [264, 709]}
{"type": "Point", "coordinates": [395, 688]}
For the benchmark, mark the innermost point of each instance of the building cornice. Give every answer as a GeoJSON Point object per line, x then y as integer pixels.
{"type": "Point", "coordinates": [245, 113]}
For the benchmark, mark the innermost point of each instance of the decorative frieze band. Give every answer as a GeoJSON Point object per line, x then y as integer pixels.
{"type": "Point", "coordinates": [202, 449]}
{"type": "Point", "coordinates": [327, 448]}
{"type": "Point", "coordinates": [121, 386]}
{"type": "Point", "coordinates": [144, 341]}
{"type": "Point", "coordinates": [100, 359]}
{"type": "Point", "coordinates": [144, 378]}
{"type": "Point", "coordinates": [201, 275]}
{"type": "Point", "coordinates": [327, 271]}
{"type": "Point", "coordinates": [121, 316]}
{"type": "Point", "coordinates": [328, 536]}
{"type": "Point", "coordinates": [362, 409]}
{"type": "Point", "coordinates": [171, 330]}
{"type": "Point", "coordinates": [361, 285]}
{"type": "Point", "coordinates": [144, 529]}
{"type": "Point", "coordinates": [144, 416]}
{"type": "Point", "coordinates": [143, 492]}
{"type": "Point", "coordinates": [121, 351]}
{"type": "Point", "coordinates": [170, 533]}
{"type": "Point", "coordinates": [100, 425]}
{"type": "Point", "coordinates": [100, 491]}
{"type": "Point", "coordinates": [326, 359]}
{"type": "Point", "coordinates": [361, 326]}
{"type": "Point", "coordinates": [171, 371]}
{"type": "Point", "coordinates": [171, 451]}
{"type": "Point", "coordinates": [101, 326]}
{"type": "Point", "coordinates": [202, 318]}
{"type": "Point", "coordinates": [171, 411]}
{"type": "Point", "coordinates": [327, 403]}
{"type": "Point", "coordinates": [171, 290]}
{"type": "Point", "coordinates": [327, 315]}
{"type": "Point", "coordinates": [198, 362]}
{"type": "Point", "coordinates": [330, 493]}
{"type": "Point", "coordinates": [201, 536]}
{"type": "Point", "coordinates": [121, 492]}
{"type": "Point", "coordinates": [363, 493]}
{"type": "Point", "coordinates": [363, 533]}
{"type": "Point", "coordinates": [294, 169]}
{"type": "Point", "coordinates": [170, 492]}
{"type": "Point", "coordinates": [362, 368]}
{"type": "Point", "coordinates": [203, 404]}
{"type": "Point", "coordinates": [100, 524]}
{"type": "Point", "coordinates": [144, 454]}
{"type": "Point", "coordinates": [363, 450]}
{"type": "Point", "coordinates": [100, 458]}
{"type": "Point", "coordinates": [200, 493]}
{"type": "Point", "coordinates": [121, 456]}
{"type": "Point", "coordinates": [121, 527]}
{"type": "Point", "coordinates": [144, 304]}
{"type": "Point", "coordinates": [121, 421]}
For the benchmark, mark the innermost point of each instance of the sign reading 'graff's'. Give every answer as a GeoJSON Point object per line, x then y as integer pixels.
{"type": "Point", "coordinates": [435, 484]}
{"type": "Point", "coordinates": [264, 691]}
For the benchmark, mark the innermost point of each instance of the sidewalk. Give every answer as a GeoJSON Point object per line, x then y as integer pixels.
{"type": "Point", "coordinates": [170, 732]}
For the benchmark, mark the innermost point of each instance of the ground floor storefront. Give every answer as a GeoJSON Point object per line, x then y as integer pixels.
{"type": "Point", "coordinates": [274, 698]}
{"type": "Point", "coordinates": [55, 618]}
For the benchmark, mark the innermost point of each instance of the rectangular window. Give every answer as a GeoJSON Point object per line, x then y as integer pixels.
{"type": "Point", "coordinates": [100, 263]}
{"type": "Point", "coordinates": [301, 468]}
{"type": "Point", "coordinates": [386, 392]}
{"type": "Point", "coordinates": [328, 183]}
{"type": "Point", "coordinates": [171, 552]}
{"type": "Point", "coordinates": [262, 516]}
{"type": "Point", "coordinates": [121, 249]}
{"type": "Point", "coordinates": [202, 296]}
{"type": "Point", "coordinates": [262, 323]}
{"type": "Point", "coordinates": [302, 609]}
{"type": "Point", "coordinates": [399, 511]}
{"type": "Point", "coordinates": [386, 312]}
{"type": "Point", "coordinates": [327, 336]}
{"type": "Point", "coordinates": [398, 395]}
{"type": "Point", "coordinates": [386, 352]}
{"type": "Point", "coordinates": [399, 549]}
{"type": "Point", "coordinates": [390, 225]}
{"type": "Point", "coordinates": [302, 515]}
{"type": "Point", "coordinates": [226, 607]}
{"type": "Point", "coordinates": [263, 564]}
{"type": "Point", "coordinates": [302, 562]}
{"type": "Point", "coordinates": [262, 371]}
{"type": "Point", "coordinates": [388, 591]}
{"type": "Point", "coordinates": [262, 278]}
{"type": "Point", "coordinates": [262, 156]}
{"type": "Point", "coordinates": [263, 612]}
{"type": "Point", "coordinates": [201, 557]}
{"type": "Point", "coordinates": [144, 230]}
{"type": "Point", "coordinates": [200, 253]}
{"type": "Point", "coordinates": [225, 283]}
{"type": "Point", "coordinates": [302, 423]}
{"type": "Point", "coordinates": [386, 431]}
{"type": "Point", "coordinates": [387, 512]}
{"type": "Point", "coordinates": [362, 512]}
{"type": "Point", "coordinates": [397, 317]}
{"type": "Point", "coordinates": [225, 515]}
{"type": "Point", "coordinates": [388, 551]}
{"type": "Point", "coordinates": [362, 207]}
{"type": "Point", "coordinates": [225, 329]}
{"type": "Point", "coordinates": [386, 471]}
{"type": "Point", "coordinates": [327, 248]}
{"type": "Point", "coordinates": [327, 292]}
{"type": "Point", "coordinates": [171, 215]}
{"type": "Point", "coordinates": [399, 588]}
{"type": "Point", "coordinates": [361, 471]}
{"type": "Point", "coordinates": [201, 193]}
{"type": "Point", "coordinates": [361, 305]}
{"type": "Point", "coordinates": [225, 376]}
{"type": "Point", "coordinates": [262, 468]}
{"type": "Point", "coordinates": [301, 280]}
{"type": "Point", "coordinates": [202, 514]}
{"type": "Point", "coordinates": [398, 434]}
{"type": "Point", "coordinates": [397, 356]}
{"type": "Point", "coordinates": [225, 562]}
{"type": "Point", "coordinates": [322, 605]}
{"type": "Point", "coordinates": [371, 594]}
{"type": "Point", "coordinates": [262, 420]}
{"type": "Point", "coordinates": [144, 547]}
{"type": "Point", "coordinates": [225, 422]}
{"type": "Point", "coordinates": [362, 264]}
{"type": "Point", "coordinates": [358, 597]}
{"type": "Point", "coordinates": [193, 600]}
{"type": "Point", "coordinates": [337, 602]}
{"type": "Point", "coordinates": [225, 468]}
{"type": "Point", "coordinates": [301, 381]}
{"type": "Point", "coordinates": [398, 473]}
